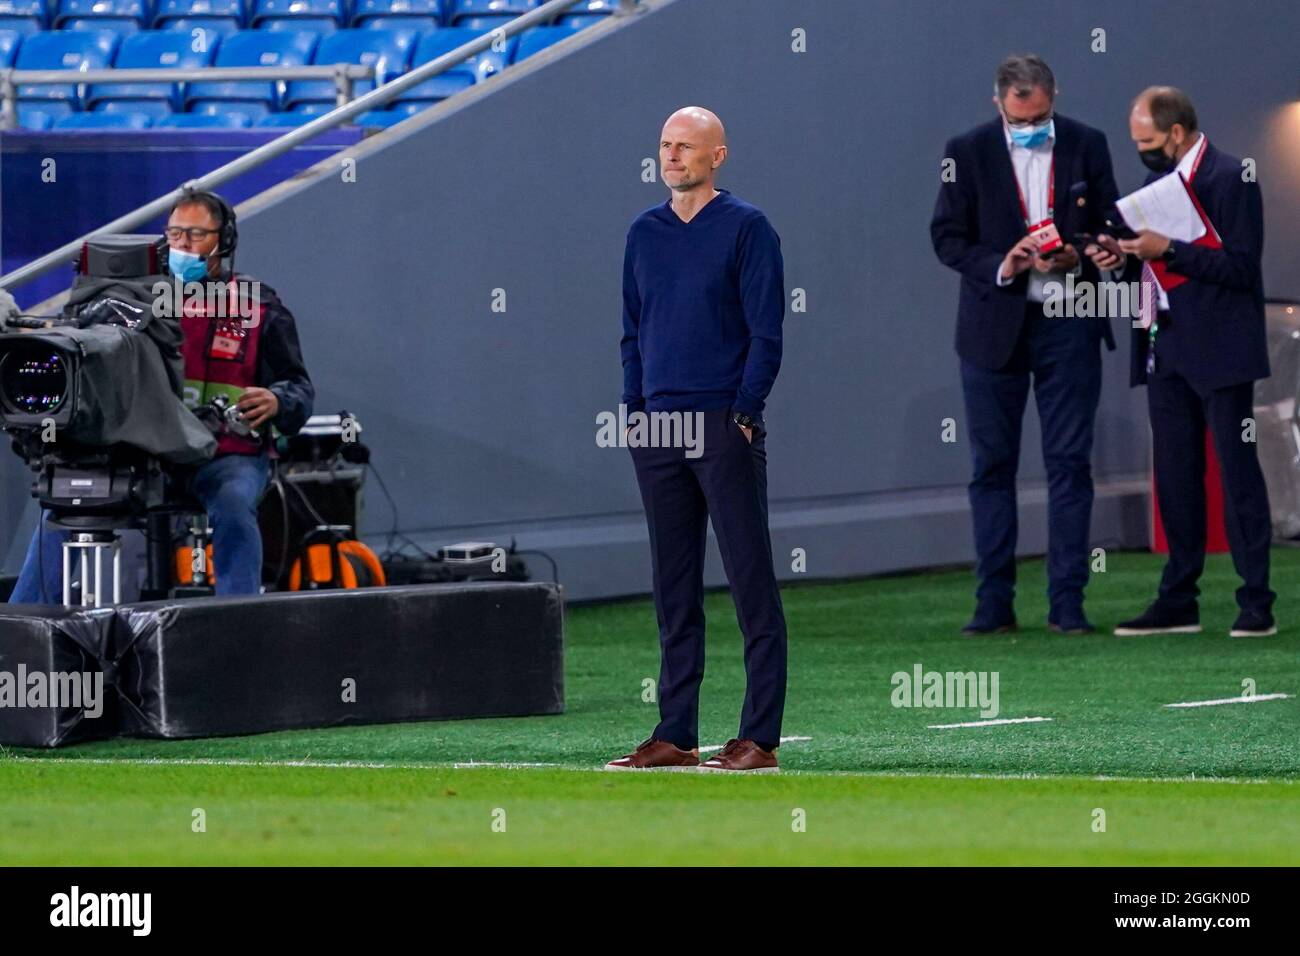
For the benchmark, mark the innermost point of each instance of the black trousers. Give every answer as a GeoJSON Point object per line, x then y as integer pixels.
{"type": "Point", "coordinates": [1179, 417]}
{"type": "Point", "coordinates": [726, 483]}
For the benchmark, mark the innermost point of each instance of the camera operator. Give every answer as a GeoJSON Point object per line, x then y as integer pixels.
{"type": "Point", "coordinates": [249, 356]}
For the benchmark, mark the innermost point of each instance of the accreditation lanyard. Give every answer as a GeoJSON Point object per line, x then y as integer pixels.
{"type": "Point", "coordinates": [1155, 322]}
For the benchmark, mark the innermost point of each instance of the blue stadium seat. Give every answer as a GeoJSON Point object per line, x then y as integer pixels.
{"type": "Point", "coordinates": [153, 49]}
{"type": "Point", "coordinates": [592, 8]}
{"type": "Point", "coordinates": [285, 120]}
{"type": "Point", "coordinates": [322, 16]}
{"type": "Point", "coordinates": [539, 38]}
{"type": "Point", "coordinates": [383, 118]}
{"type": "Point", "coordinates": [33, 117]}
{"type": "Point", "coordinates": [418, 24]}
{"type": "Point", "coordinates": [482, 10]}
{"type": "Point", "coordinates": [120, 27]}
{"type": "Point", "coordinates": [252, 110]}
{"type": "Point", "coordinates": [203, 121]}
{"type": "Point", "coordinates": [428, 12]}
{"type": "Point", "coordinates": [321, 26]}
{"type": "Point", "coordinates": [224, 15]}
{"type": "Point", "coordinates": [156, 109]}
{"type": "Point", "coordinates": [433, 91]}
{"type": "Point", "coordinates": [483, 24]}
{"type": "Point", "coordinates": [93, 121]}
{"type": "Point", "coordinates": [121, 15]}
{"type": "Point", "coordinates": [250, 48]}
{"type": "Point", "coordinates": [9, 41]}
{"type": "Point", "coordinates": [479, 67]}
{"type": "Point", "coordinates": [70, 50]}
{"type": "Point", "coordinates": [214, 31]}
{"type": "Point", "coordinates": [389, 51]}
{"type": "Point", "coordinates": [580, 20]}
{"type": "Point", "coordinates": [25, 16]}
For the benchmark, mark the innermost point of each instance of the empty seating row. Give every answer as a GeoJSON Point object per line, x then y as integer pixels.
{"type": "Point", "coordinates": [321, 16]}
{"type": "Point", "coordinates": [38, 120]}
{"type": "Point", "coordinates": [391, 52]}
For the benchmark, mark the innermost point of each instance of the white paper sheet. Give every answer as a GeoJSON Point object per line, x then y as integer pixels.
{"type": "Point", "coordinates": [1164, 207]}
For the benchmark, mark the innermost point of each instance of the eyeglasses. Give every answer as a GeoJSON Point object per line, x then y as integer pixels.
{"type": "Point", "coordinates": [1027, 123]}
{"type": "Point", "coordinates": [195, 233]}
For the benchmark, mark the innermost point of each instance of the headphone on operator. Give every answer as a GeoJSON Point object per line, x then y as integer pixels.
{"type": "Point", "coordinates": [229, 233]}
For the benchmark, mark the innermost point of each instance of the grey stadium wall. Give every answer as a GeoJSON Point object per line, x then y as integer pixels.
{"type": "Point", "coordinates": [483, 423]}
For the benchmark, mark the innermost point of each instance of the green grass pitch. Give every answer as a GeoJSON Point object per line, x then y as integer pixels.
{"type": "Point", "coordinates": [873, 784]}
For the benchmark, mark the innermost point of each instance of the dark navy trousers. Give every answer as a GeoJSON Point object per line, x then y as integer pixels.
{"type": "Point", "coordinates": [1061, 358]}
{"type": "Point", "coordinates": [1179, 417]}
{"type": "Point", "coordinates": [726, 484]}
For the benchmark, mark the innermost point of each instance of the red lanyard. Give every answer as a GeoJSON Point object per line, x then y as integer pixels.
{"type": "Point", "coordinates": [1051, 192]}
{"type": "Point", "coordinates": [1200, 155]}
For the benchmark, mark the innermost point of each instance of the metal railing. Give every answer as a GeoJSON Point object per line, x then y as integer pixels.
{"type": "Point", "coordinates": [376, 98]}
{"type": "Point", "coordinates": [342, 74]}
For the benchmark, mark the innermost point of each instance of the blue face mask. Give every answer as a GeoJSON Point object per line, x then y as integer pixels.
{"type": "Point", "coordinates": [1031, 136]}
{"type": "Point", "coordinates": [189, 266]}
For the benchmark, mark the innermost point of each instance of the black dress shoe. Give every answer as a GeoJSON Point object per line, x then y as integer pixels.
{"type": "Point", "coordinates": [1081, 626]}
{"type": "Point", "coordinates": [982, 626]}
{"type": "Point", "coordinates": [1253, 624]}
{"type": "Point", "coordinates": [1162, 620]}
{"type": "Point", "coordinates": [1069, 619]}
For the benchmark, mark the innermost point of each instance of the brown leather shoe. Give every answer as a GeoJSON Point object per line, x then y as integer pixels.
{"type": "Point", "coordinates": [742, 756]}
{"type": "Point", "coordinates": [656, 755]}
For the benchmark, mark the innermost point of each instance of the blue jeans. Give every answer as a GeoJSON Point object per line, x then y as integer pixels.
{"type": "Point", "coordinates": [229, 487]}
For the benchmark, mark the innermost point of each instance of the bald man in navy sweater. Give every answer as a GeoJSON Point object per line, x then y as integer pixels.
{"type": "Point", "coordinates": [703, 303]}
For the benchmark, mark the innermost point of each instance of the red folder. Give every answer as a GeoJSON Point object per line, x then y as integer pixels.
{"type": "Point", "coordinates": [1171, 280]}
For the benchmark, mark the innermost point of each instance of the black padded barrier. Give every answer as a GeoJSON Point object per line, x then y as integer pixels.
{"type": "Point", "coordinates": [224, 666]}
{"type": "Point", "coordinates": [43, 651]}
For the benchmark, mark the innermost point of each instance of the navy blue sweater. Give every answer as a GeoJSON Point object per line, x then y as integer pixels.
{"type": "Point", "coordinates": [703, 303]}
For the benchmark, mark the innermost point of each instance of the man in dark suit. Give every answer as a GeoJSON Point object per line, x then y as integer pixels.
{"type": "Point", "coordinates": [1016, 193]}
{"type": "Point", "coordinates": [1200, 359]}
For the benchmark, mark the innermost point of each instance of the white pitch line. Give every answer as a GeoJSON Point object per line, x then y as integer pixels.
{"type": "Point", "coordinates": [712, 747]}
{"type": "Point", "coordinates": [992, 723]}
{"type": "Point", "coordinates": [1243, 699]}
{"type": "Point", "coordinates": [888, 774]}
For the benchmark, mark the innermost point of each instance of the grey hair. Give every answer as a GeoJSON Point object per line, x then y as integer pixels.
{"type": "Point", "coordinates": [1024, 72]}
{"type": "Point", "coordinates": [1168, 105]}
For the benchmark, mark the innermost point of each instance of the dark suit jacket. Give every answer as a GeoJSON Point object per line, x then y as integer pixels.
{"type": "Point", "coordinates": [977, 218]}
{"type": "Point", "coordinates": [1215, 336]}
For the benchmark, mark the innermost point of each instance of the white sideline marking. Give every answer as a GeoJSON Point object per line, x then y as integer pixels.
{"type": "Point", "coordinates": [712, 747]}
{"type": "Point", "coordinates": [1242, 699]}
{"type": "Point", "coordinates": [359, 765]}
{"type": "Point", "coordinates": [992, 723]}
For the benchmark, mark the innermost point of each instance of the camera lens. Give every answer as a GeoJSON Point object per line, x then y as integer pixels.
{"type": "Point", "coordinates": [33, 380]}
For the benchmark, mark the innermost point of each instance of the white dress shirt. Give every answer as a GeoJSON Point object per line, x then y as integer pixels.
{"type": "Point", "coordinates": [1185, 167]}
{"type": "Point", "coordinates": [1032, 168]}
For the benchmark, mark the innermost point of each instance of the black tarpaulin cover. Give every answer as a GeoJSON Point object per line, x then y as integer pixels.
{"type": "Point", "coordinates": [216, 666]}
{"type": "Point", "coordinates": [54, 643]}
{"type": "Point", "coordinates": [125, 396]}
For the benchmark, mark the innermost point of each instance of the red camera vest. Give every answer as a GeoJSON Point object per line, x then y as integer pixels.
{"type": "Point", "coordinates": [219, 346]}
